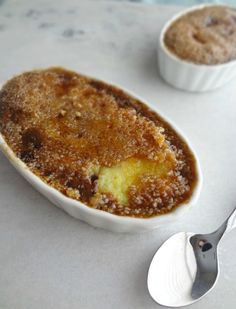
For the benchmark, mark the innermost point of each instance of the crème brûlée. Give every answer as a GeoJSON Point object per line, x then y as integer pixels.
{"type": "Point", "coordinates": [95, 143]}
{"type": "Point", "coordinates": [205, 35]}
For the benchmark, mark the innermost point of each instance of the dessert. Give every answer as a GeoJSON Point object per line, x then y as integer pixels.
{"type": "Point", "coordinates": [204, 36]}
{"type": "Point", "coordinates": [96, 144]}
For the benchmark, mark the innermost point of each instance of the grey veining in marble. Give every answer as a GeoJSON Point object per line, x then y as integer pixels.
{"type": "Point", "coordinates": [50, 260]}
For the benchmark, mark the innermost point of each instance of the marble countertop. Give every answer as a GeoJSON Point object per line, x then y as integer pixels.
{"type": "Point", "coordinates": [50, 260]}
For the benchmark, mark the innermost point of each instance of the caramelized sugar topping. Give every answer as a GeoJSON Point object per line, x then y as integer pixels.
{"type": "Point", "coordinates": [95, 143]}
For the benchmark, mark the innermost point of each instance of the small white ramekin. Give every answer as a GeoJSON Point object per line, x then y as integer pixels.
{"type": "Point", "coordinates": [99, 218]}
{"type": "Point", "coordinates": [189, 76]}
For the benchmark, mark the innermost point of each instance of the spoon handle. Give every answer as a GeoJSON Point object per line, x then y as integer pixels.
{"type": "Point", "coordinates": [231, 222]}
{"type": "Point", "coordinates": [228, 225]}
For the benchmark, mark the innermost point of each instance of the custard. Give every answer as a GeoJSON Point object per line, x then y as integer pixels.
{"type": "Point", "coordinates": [96, 144]}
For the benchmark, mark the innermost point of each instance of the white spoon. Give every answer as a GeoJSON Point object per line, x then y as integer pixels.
{"type": "Point", "coordinates": [185, 268]}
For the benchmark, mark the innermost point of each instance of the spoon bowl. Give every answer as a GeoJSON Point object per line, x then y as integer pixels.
{"type": "Point", "coordinates": [186, 267]}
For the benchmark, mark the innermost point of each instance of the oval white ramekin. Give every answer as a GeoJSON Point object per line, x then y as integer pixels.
{"type": "Point", "coordinates": [99, 218]}
{"type": "Point", "coordinates": [189, 76]}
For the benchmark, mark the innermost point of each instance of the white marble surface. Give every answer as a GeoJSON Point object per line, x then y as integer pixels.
{"type": "Point", "coordinates": [50, 260]}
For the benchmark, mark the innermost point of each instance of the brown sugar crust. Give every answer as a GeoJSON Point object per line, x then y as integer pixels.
{"type": "Point", "coordinates": [204, 36]}
{"type": "Point", "coordinates": [66, 127]}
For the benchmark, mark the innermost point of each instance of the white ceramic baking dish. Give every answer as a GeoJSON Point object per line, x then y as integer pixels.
{"type": "Point", "coordinates": [189, 76]}
{"type": "Point", "coordinates": [99, 218]}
